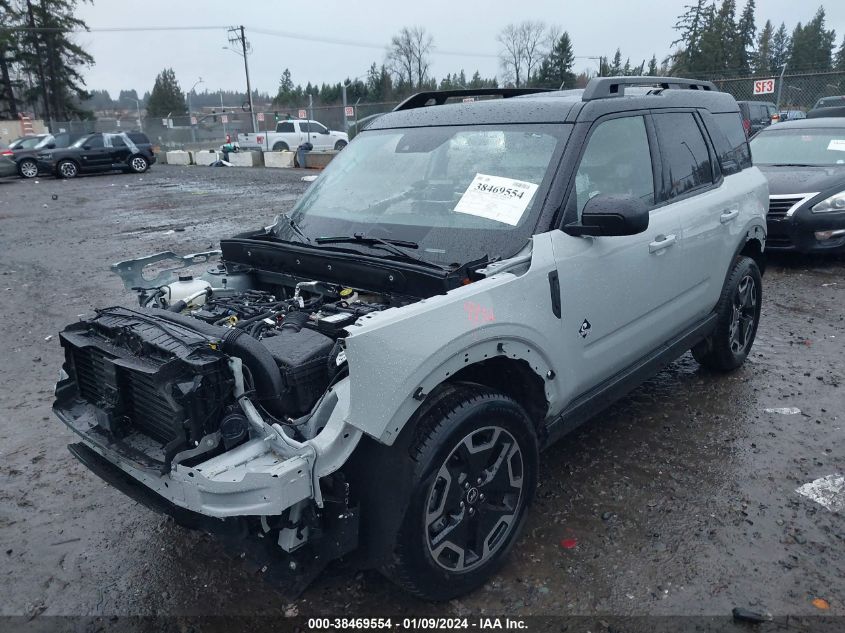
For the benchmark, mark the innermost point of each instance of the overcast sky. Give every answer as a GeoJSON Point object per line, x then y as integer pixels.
{"type": "Point", "coordinates": [464, 32]}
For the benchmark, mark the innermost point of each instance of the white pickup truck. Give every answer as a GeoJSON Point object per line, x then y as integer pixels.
{"type": "Point", "coordinates": [291, 134]}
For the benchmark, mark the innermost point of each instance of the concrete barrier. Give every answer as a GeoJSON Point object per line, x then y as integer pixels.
{"type": "Point", "coordinates": [317, 159]}
{"type": "Point", "coordinates": [246, 159]}
{"type": "Point", "coordinates": [178, 157]}
{"type": "Point", "coordinates": [205, 156]}
{"type": "Point", "coordinates": [279, 159]}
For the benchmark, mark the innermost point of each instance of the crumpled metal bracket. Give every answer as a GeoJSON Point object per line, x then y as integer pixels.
{"type": "Point", "coordinates": [131, 271]}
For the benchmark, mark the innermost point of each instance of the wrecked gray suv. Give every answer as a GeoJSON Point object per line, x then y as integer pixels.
{"type": "Point", "coordinates": [372, 376]}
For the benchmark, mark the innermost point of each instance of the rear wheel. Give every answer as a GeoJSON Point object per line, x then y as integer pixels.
{"type": "Point", "coordinates": [475, 474]}
{"type": "Point", "coordinates": [340, 145]}
{"type": "Point", "coordinates": [28, 168]}
{"type": "Point", "coordinates": [67, 169]}
{"type": "Point", "coordinates": [738, 315]}
{"type": "Point", "coordinates": [280, 147]}
{"type": "Point", "coordinates": [138, 164]}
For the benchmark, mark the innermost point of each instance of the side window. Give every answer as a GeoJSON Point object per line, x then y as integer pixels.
{"type": "Point", "coordinates": [686, 159]}
{"type": "Point", "coordinates": [730, 124]}
{"type": "Point", "coordinates": [285, 126]}
{"type": "Point", "coordinates": [117, 141]}
{"type": "Point", "coordinates": [95, 141]}
{"type": "Point", "coordinates": [317, 128]}
{"type": "Point", "coordinates": [304, 127]}
{"type": "Point", "coordinates": [617, 161]}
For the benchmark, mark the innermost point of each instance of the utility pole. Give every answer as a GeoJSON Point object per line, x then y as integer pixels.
{"type": "Point", "coordinates": [780, 85]}
{"type": "Point", "coordinates": [236, 34]}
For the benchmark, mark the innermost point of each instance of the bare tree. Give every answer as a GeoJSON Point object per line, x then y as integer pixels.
{"type": "Point", "coordinates": [408, 55]}
{"type": "Point", "coordinates": [524, 46]}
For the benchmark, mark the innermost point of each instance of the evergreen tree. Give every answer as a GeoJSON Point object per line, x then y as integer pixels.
{"type": "Point", "coordinates": [781, 48]}
{"type": "Point", "coordinates": [8, 59]}
{"type": "Point", "coordinates": [690, 25]}
{"type": "Point", "coordinates": [812, 45]}
{"type": "Point", "coordinates": [167, 97]}
{"type": "Point", "coordinates": [652, 66]}
{"type": "Point", "coordinates": [744, 44]}
{"type": "Point", "coordinates": [556, 69]}
{"type": "Point", "coordinates": [839, 60]}
{"type": "Point", "coordinates": [762, 59]}
{"type": "Point", "coordinates": [616, 65]}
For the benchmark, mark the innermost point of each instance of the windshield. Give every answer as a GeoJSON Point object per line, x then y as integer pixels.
{"type": "Point", "coordinates": [86, 140]}
{"type": "Point", "coordinates": [807, 146]}
{"type": "Point", "coordinates": [28, 142]}
{"type": "Point", "coordinates": [460, 193]}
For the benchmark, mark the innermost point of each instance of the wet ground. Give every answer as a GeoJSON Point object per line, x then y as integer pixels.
{"type": "Point", "coordinates": [679, 500]}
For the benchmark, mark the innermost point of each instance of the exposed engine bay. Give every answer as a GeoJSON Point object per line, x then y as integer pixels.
{"type": "Point", "coordinates": [160, 378]}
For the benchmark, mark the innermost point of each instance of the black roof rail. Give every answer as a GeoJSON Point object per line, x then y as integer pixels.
{"type": "Point", "coordinates": [439, 97]}
{"type": "Point", "coordinates": [606, 87]}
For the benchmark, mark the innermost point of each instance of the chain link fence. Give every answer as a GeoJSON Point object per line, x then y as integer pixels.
{"type": "Point", "coordinates": [207, 129]}
{"type": "Point", "coordinates": [795, 91]}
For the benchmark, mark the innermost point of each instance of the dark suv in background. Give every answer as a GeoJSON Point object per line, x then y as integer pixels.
{"type": "Point", "coordinates": [126, 151]}
{"type": "Point", "coordinates": [756, 115]}
{"type": "Point", "coordinates": [25, 150]}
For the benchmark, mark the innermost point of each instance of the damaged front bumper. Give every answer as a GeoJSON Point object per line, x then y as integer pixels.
{"type": "Point", "coordinates": [252, 479]}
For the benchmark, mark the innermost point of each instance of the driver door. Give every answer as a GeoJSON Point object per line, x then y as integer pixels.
{"type": "Point", "coordinates": [617, 292]}
{"type": "Point", "coordinates": [95, 156]}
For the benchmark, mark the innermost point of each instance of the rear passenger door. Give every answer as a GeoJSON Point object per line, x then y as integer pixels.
{"type": "Point", "coordinates": [705, 209]}
{"type": "Point", "coordinates": [120, 150]}
{"type": "Point", "coordinates": [95, 156]}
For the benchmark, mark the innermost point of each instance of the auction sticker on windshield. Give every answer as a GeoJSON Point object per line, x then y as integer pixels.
{"type": "Point", "coordinates": [837, 144]}
{"type": "Point", "coordinates": [496, 198]}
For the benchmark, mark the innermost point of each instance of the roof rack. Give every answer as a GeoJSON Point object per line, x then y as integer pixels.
{"type": "Point", "coordinates": [607, 87]}
{"type": "Point", "coordinates": [439, 97]}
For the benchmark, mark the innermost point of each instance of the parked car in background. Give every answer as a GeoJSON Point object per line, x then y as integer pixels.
{"type": "Point", "coordinates": [26, 142]}
{"type": "Point", "coordinates": [291, 134]}
{"type": "Point", "coordinates": [130, 152]}
{"type": "Point", "coordinates": [836, 101]}
{"type": "Point", "coordinates": [360, 125]}
{"type": "Point", "coordinates": [756, 115]}
{"type": "Point", "coordinates": [791, 115]}
{"type": "Point", "coordinates": [26, 153]}
{"type": "Point", "coordinates": [7, 164]}
{"type": "Point", "coordinates": [804, 162]}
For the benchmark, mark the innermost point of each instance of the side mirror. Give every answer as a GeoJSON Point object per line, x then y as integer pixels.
{"type": "Point", "coordinates": [611, 215]}
{"type": "Point", "coordinates": [86, 147]}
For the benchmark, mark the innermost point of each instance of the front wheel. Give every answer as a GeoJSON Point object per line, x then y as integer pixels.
{"type": "Point", "coordinates": [475, 473]}
{"type": "Point", "coordinates": [738, 314]}
{"type": "Point", "coordinates": [28, 168]}
{"type": "Point", "coordinates": [67, 169]}
{"type": "Point", "coordinates": [138, 164]}
{"type": "Point", "coordinates": [340, 145]}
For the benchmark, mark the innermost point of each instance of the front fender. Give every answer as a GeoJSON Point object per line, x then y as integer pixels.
{"type": "Point", "coordinates": [398, 356]}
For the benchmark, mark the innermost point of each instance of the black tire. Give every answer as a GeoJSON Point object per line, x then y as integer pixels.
{"type": "Point", "coordinates": [138, 164]}
{"type": "Point", "coordinates": [340, 145]}
{"type": "Point", "coordinates": [28, 168]}
{"type": "Point", "coordinates": [281, 147]}
{"type": "Point", "coordinates": [67, 169]}
{"type": "Point", "coordinates": [738, 313]}
{"type": "Point", "coordinates": [447, 498]}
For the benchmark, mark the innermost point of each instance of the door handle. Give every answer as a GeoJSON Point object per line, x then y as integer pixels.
{"type": "Point", "coordinates": [661, 242]}
{"type": "Point", "coordinates": [727, 216]}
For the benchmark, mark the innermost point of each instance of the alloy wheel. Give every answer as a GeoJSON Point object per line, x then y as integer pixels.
{"type": "Point", "coordinates": [474, 500]}
{"type": "Point", "coordinates": [138, 164]}
{"type": "Point", "coordinates": [29, 169]}
{"type": "Point", "coordinates": [743, 315]}
{"type": "Point", "coordinates": [67, 169]}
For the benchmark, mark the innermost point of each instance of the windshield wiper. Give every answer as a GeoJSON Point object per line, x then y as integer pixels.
{"type": "Point", "coordinates": [793, 165]}
{"type": "Point", "coordinates": [387, 244]}
{"type": "Point", "coordinates": [289, 221]}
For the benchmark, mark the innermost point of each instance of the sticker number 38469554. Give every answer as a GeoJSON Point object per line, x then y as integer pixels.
{"type": "Point", "coordinates": [496, 198]}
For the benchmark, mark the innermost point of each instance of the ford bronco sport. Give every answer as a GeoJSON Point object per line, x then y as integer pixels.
{"type": "Point", "coordinates": [372, 376]}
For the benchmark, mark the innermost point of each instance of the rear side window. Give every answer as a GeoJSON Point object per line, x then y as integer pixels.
{"type": "Point", "coordinates": [286, 127]}
{"type": "Point", "coordinates": [138, 138]}
{"type": "Point", "coordinates": [686, 158]}
{"type": "Point", "coordinates": [116, 141]}
{"type": "Point", "coordinates": [736, 156]}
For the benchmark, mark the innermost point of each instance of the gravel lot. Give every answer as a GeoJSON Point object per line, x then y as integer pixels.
{"type": "Point", "coordinates": [679, 500]}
